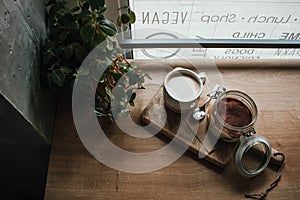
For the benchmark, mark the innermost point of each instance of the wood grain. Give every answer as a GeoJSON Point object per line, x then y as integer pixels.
{"type": "Point", "coordinates": [75, 174]}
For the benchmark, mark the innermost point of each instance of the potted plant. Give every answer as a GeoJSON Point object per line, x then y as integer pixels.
{"type": "Point", "coordinates": [72, 34]}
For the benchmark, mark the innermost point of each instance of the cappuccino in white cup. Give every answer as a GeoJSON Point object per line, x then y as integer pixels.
{"type": "Point", "coordinates": [182, 89]}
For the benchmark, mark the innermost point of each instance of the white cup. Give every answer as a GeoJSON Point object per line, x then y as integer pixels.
{"type": "Point", "coordinates": [182, 89]}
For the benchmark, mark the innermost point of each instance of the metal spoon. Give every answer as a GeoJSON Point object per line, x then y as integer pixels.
{"type": "Point", "coordinates": [200, 112]}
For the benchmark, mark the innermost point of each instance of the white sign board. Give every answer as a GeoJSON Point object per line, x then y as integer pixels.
{"type": "Point", "coordinates": [228, 19]}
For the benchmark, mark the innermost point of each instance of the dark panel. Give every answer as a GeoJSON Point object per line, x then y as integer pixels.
{"type": "Point", "coordinates": [24, 156]}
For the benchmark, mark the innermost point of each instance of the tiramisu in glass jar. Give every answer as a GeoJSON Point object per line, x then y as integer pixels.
{"type": "Point", "coordinates": [232, 115]}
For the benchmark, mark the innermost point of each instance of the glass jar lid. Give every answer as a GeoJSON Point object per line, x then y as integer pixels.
{"type": "Point", "coordinates": [252, 155]}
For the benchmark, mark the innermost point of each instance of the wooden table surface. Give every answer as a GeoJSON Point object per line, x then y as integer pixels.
{"type": "Point", "coordinates": [75, 174]}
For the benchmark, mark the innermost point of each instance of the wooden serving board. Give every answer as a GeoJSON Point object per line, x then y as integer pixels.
{"type": "Point", "coordinates": [183, 128]}
{"type": "Point", "coordinates": [187, 131]}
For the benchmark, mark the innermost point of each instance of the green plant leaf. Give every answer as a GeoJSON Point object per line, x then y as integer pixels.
{"type": "Point", "coordinates": [75, 45]}
{"type": "Point", "coordinates": [75, 9]}
{"type": "Point", "coordinates": [87, 32]}
{"type": "Point", "coordinates": [63, 35]}
{"type": "Point", "coordinates": [133, 65]}
{"type": "Point", "coordinates": [133, 77]}
{"type": "Point", "coordinates": [142, 79]}
{"type": "Point", "coordinates": [97, 4]}
{"type": "Point", "coordinates": [47, 57]}
{"type": "Point", "coordinates": [49, 45]}
{"type": "Point", "coordinates": [118, 49]}
{"type": "Point", "coordinates": [109, 45]}
{"type": "Point", "coordinates": [129, 92]}
{"type": "Point", "coordinates": [83, 71]}
{"type": "Point", "coordinates": [68, 52]}
{"type": "Point", "coordinates": [119, 90]}
{"type": "Point", "coordinates": [117, 76]}
{"type": "Point", "coordinates": [108, 92]}
{"type": "Point", "coordinates": [99, 37]}
{"type": "Point", "coordinates": [54, 8]}
{"type": "Point", "coordinates": [58, 77]}
{"type": "Point", "coordinates": [86, 16]}
{"type": "Point", "coordinates": [131, 102]}
{"type": "Point", "coordinates": [101, 10]}
{"type": "Point", "coordinates": [133, 96]}
{"type": "Point", "coordinates": [59, 50]}
{"type": "Point", "coordinates": [100, 16]}
{"type": "Point", "coordinates": [119, 22]}
{"type": "Point", "coordinates": [122, 104]}
{"type": "Point", "coordinates": [66, 69]}
{"type": "Point", "coordinates": [80, 53]}
{"type": "Point", "coordinates": [85, 5]}
{"type": "Point", "coordinates": [74, 26]}
{"type": "Point", "coordinates": [66, 19]}
{"type": "Point", "coordinates": [99, 114]}
{"type": "Point", "coordinates": [125, 112]}
{"type": "Point", "coordinates": [122, 65]}
{"type": "Point", "coordinates": [148, 76]}
{"type": "Point", "coordinates": [125, 18]}
{"type": "Point", "coordinates": [91, 44]}
{"type": "Point", "coordinates": [108, 27]}
{"type": "Point", "coordinates": [132, 17]}
{"type": "Point", "coordinates": [54, 31]}
{"type": "Point", "coordinates": [123, 7]}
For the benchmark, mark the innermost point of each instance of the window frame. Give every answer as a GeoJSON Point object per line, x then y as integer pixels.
{"type": "Point", "coordinates": [208, 43]}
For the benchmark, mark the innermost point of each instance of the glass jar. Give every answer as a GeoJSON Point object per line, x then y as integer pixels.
{"type": "Point", "coordinates": [232, 115]}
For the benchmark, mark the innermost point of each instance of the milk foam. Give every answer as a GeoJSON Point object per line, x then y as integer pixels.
{"type": "Point", "coordinates": [183, 87]}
